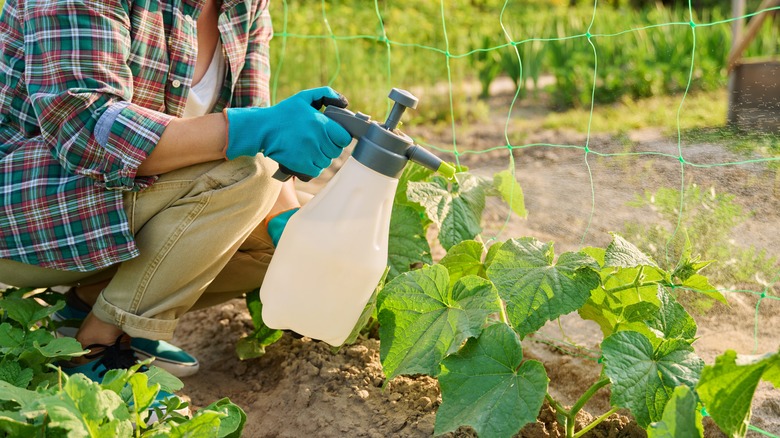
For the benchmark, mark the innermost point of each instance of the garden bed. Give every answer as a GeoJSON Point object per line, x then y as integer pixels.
{"type": "Point", "coordinates": [302, 387]}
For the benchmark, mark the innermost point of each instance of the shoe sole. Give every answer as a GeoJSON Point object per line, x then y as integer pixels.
{"type": "Point", "coordinates": [178, 369]}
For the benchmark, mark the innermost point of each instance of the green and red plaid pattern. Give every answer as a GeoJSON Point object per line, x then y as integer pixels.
{"type": "Point", "coordinates": [86, 89]}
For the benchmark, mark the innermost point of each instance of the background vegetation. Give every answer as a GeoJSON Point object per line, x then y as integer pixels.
{"type": "Point", "coordinates": [637, 48]}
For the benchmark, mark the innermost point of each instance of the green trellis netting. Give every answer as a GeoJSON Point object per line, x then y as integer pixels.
{"type": "Point", "coordinates": [612, 119]}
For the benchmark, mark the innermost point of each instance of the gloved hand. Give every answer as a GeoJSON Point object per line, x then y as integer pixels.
{"type": "Point", "coordinates": [293, 132]}
{"type": "Point", "coordinates": [276, 224]}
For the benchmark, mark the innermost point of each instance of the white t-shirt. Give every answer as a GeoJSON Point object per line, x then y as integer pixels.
{"type": "Point", "coordinates": [204, 94]}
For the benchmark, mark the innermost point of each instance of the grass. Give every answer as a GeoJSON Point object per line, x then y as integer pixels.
{"type": "Point", "coordinates": [702, 120]}
{"type": "Point", "coordinates": [709, 220]}
{"type": "Point", "coordinates": [706, 109]}
{"type": "Point", "coordinates": [765, 144]}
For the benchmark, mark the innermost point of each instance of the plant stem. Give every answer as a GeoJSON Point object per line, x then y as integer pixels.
{"type": "Point", "coordinates": [503, 313]}
{"type": "Point", "coordinates": [638, 285]}
{"type": "Point", "coordinates": [639, 275]}
{"type": "Point", "coordinates": [560, 327]}
{"type": "Point", "coordinates": [561, 414]}
{"type": "Point", "coordinates": [570, 415]}
{"type": "Point", "coordinates": [594, 423]}
{"type": "Point", "coordinates": [588, 394]}
{"type": "Point", "coordinates": [557, 406]}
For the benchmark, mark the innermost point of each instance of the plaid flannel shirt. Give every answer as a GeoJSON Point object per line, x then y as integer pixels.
{"type": "Point", "coordinates": [86, 89]}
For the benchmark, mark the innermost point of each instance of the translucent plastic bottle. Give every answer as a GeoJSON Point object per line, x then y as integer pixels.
{"type": "Point", "coordinates": [333, 251]}
{"type": "Point", "coordinates": [331, 256]}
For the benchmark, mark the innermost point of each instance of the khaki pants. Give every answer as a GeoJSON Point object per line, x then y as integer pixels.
{"type": "Point", "coordinates": [201, 241]}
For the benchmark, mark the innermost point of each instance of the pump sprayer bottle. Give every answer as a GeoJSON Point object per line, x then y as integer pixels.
{"type": "Point", "coordinates": [333, 251]}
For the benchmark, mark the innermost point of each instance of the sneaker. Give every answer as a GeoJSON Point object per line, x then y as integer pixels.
{"type": "Point", "coordinates": [166, 355]}
{"type": "Point", "coordinates": [118, 355]}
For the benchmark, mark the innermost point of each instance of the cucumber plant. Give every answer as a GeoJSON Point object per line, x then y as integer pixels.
{"type": "Point", "coordinates": [463, 320]}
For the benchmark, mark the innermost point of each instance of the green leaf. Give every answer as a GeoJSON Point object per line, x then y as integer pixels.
{"type": "Point", "coordinates": [464, 259]}
{"type": "Point", "coordinates": [534, 288]}
{"type": "Point", "coordinates": [487, 386]}
{"type": "Point", "coordinates": [26, 311]}
{"type": "Point", "coordinates": [32, 344]}
{"type": "Point", "coordinates": [407, 244]}
{"type": "Point", "coordinates": [95, 405]}
{"type": "Point", "coordinates": [115, 428]}
{"type": "Point", "coordinates": [597, 254]}
{"type": "Point", "coordinates": [143, 392]}
{"type": "Point", "coordinates": [254, 344]}
{"type": "Point", "coordinates": [205, 423]}
{"type": "Point", "coordinates": [700, 284]}
{"type": "Point", "coordinates": [412, 172]}
{"type": "Point", "coordinates": [43, 312]}
{"type": "Point", "coordinates": [13, 373]}
{"type": "Point", "coordinates": [232, 424]}
{"type": "Point", "coordinates": [81, 408]}
{"type": "Point", "coordinates": [60, 348]}
{"type": "Point", "coordinates": [510, 191]}
{"type": "Point", "coordinates": [727, 388]}
{"type": "Point", "coordinates": [11, 339]}
{"type": "Point", "coordinates": [688, 265]}
{"type": "Point", "coordinates": [643, 378]}
{"type": "Point", "coordinates": [167, 381]}
{"type": "Point", "coordinates": [491, 254]}
{"type": "Point", "coordinates": [611, 315]}
{"type": "Point", "coordinates": [643, 280]}
{"type": "Point", "coordinates": [772, 374]}
{"type": "Point", "coordinates": [622, 253]}
{"type": "Point", "coordinates": [619, 305]}
{"type": "Point", "coordinates": [457, 211]}
{"type": "Point", "coordinates": [15, 425]}
{"type": "Point", "coordinates": [115, 380]}
{"type": "Point", "coordinates": [681, 417]}
{"type": "Point", "coordinates": [422, 319]}
{"type": "Point", "coordinates": [673, 321]}
{"type": "Point", "coordinates": [21, 310]}
{"type": "Point", "coordinates": [63, 414]}
{"type": "Point", "coordinates": [687, 272]}
{"type": "Point", "coordinates": [23, 397]}
{"type": "Point", "coordinates": [687, 251]}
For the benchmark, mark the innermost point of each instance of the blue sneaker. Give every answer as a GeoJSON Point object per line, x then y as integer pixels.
{"type": "Point", "coordinates": [166, 355]}
{"type": "Point", "coordinates": [119, 355]}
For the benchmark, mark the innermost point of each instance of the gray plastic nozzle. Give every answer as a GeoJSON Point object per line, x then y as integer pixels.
{"type": "Point", "coordinates": [381, 147]}
{"type": "Point", "coordinates": [425, 158]}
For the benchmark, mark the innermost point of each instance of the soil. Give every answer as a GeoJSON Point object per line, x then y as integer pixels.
{"type": "Point", "coordinates": [304, 387]}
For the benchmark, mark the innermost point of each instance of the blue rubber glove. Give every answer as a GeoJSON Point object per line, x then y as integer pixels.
{"type": "Point", "coordinates": [294, 133]}
{"type": "Point", "coordinates": [277, 223]}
